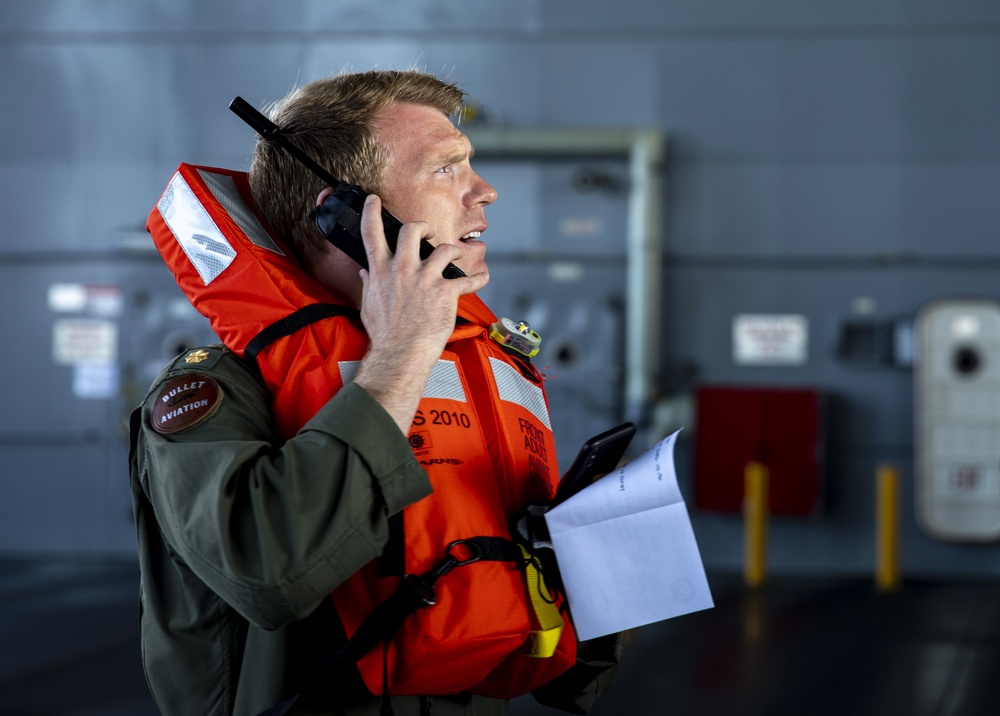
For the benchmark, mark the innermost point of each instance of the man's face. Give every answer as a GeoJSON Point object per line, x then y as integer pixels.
{"type": "Point", "coordinates": [429, 178]}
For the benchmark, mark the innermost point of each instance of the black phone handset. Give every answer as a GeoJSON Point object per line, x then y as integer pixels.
{"type": "Point", "coordinates": [339, 216]}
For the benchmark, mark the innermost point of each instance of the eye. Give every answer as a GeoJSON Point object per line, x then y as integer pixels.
{"type": "Point", "coordinates": [446, 169]}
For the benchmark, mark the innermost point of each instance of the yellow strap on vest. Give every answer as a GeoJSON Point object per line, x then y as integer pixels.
{"type": "Point", "coordinates": [541, 644]}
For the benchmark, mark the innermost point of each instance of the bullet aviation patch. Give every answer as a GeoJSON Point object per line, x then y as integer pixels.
{"type": "Point", "coordinates": [185, 402]}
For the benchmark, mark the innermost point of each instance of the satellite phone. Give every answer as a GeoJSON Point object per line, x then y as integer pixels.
{"type": "Point", "coordinates": [339, 216]}
{"type": "Point", "coordinates": [598, 456]}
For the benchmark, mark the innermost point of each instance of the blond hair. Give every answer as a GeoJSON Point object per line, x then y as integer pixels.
{"type": "Point", "coordinates": [331, 121]}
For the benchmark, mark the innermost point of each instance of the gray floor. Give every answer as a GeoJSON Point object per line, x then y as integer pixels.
{"type": "Point", "coordinates": [69, 640]}
{"type": "Point", "coordinates": [796, 647]}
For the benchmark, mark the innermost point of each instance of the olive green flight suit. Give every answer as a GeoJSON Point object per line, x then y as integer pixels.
{"type": "Point", "coordinates": [242, 537]}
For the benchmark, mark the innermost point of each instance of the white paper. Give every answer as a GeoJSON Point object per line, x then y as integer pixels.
{"type": "Point", "coordinates": [626, 550]}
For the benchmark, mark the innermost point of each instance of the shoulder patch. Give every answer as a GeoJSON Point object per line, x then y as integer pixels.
{"type": "Point", "coordinates": [186, 401]}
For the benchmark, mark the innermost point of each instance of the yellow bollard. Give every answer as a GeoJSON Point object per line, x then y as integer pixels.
{"type": "Point", "coordinates": [755, 524]}
{"type": "Point", "coordinates": [887, 572]}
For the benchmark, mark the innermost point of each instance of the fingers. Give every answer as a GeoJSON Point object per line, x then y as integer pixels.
{"type": "Point", "coordinates": [372, 231]}
{"type": "Point", "coordinates": [408, 249]}
{"type": "Point", "coordinates": [471, 284]}
{"type": "Point", "coordinates": [441, 257]}
{"type": "Point", "coordinates": [408, 240]}
{"type": "Point", "coordinates": [376, 245]}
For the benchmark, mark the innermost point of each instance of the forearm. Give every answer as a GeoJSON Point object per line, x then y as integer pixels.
{"type": "Point", "coordinates": [396, 380]}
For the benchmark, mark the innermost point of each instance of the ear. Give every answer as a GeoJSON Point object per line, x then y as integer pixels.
{"type": "Point", "coordinates": [322, 195]}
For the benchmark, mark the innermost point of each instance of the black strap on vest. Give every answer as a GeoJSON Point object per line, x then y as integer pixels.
{"type": "Point", "coordinates": [293, 322]}
{"type": "Point", "coordinates": [392, 561]}
{"type": "Point", "coordinates": [418, 591]}
{"type": "Point", "coordinates": [413, 593]}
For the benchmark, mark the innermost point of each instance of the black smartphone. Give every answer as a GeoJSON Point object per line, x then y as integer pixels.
{"type": "Point", "coordinates": [339, 216]}
{"type": "Point", "coordinates": [598, 456]}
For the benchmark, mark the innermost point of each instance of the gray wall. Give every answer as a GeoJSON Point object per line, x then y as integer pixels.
{"type": "Point", "coordinates": [818, 153]}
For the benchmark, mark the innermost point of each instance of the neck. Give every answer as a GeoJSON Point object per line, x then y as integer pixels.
{"type": "Point", "coordinates": [339, 275]}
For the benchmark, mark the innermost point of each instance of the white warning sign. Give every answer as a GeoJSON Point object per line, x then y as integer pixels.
{"type": "Point", "coordinates": [770, 339]}
{"type": "Point", "coordinates": [82, 340]}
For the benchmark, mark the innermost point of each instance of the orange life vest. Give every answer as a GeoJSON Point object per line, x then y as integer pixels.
{"type": "Point", "coordinates": [482, 432]}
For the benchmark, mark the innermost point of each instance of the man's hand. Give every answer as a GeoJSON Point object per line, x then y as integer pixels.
{"type": "Point", "coordinates": [408, 310]}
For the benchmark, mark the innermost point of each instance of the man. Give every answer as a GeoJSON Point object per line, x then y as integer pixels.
{"type": "Point", "coordinates": [243, 535]}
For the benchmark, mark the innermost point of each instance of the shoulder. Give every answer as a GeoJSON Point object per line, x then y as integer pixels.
{"type": "Point", "coordinates": [191, 388]}
{"type": "Point", "coordinates": [214, 360]}
{"type": "Point", "coordinates": [207, 358]}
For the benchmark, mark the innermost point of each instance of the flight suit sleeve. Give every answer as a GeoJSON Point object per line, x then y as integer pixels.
{"type": "Point", "coordinates": [270, 527]}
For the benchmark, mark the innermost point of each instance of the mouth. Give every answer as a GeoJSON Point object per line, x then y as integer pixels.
{"type": "Point", "coordinates": [471, 236]}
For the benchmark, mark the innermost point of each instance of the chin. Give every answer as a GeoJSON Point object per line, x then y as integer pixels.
{"type": "Point", "coordinates": [475, 263]}
{"type": "Point", "coordinates": [471, 268]}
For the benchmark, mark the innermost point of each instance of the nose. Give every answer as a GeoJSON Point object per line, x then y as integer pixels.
{"type": "Point", "coordinates": [483, 192]}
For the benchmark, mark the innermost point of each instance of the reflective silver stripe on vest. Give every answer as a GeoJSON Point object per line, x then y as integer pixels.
{"type": "Point", "coordinates": [205, 246]}
{"type": "Point", "coordinates": [443, 382]}
{"type": "Point", "coordinates": [224, 190]}
{"type": "Point", "coordinates": [515, 388]}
